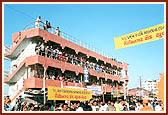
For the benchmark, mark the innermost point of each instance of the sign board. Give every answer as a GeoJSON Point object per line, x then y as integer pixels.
{"type": "Point", "coordinates": [75, 87]}
{"type": "Point", "coordinates": [139, 37]}
{"type": "Point", "coordinates": [96, 90]}
{"type": "Point", "coordinates": [86, 76]}
{"type": "Point", "coordinates": [55, 93]}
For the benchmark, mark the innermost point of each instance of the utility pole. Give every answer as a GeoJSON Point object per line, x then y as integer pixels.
{"type": "Point", "coordinates": [140, 87]}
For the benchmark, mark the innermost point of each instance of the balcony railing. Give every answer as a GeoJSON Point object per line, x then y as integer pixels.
{"type": "Point", "coordinates": [71, 39]}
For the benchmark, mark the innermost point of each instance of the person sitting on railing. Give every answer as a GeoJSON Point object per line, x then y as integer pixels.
{"type": "Point", "coordinates": [45, 26]}
{"type": "Point", "coordinates": [57, 31]}
{"type": "Point", "coordinates": [37, 24]}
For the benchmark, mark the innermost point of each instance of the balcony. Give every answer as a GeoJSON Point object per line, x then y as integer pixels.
{"type": "Point", "coordinates": [47, 36]}
{"type": "Point", "coordinates": [38, 83]}
{"type": "Point", "coordinates": [67, 66]}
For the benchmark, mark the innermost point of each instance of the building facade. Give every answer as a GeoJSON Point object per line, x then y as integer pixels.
{"type": "Point", "coordinates": [151, 85]}
{"type": "Point", "coordinates": [31, 66]}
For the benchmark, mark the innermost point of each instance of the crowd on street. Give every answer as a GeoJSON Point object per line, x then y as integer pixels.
{"type": "Point", "coordinates": [95, 104]}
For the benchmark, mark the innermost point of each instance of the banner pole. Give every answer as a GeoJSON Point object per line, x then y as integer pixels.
{"type": "Point", "coordinates": [81, 80]}
{"type": "Point", "coordinates": [102, 89]}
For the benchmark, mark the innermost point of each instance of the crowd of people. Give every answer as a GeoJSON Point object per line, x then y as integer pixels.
{"type": "Point", "coordinates": [95, 104]}
{"type": "Point", "coordinates": [59, 54]}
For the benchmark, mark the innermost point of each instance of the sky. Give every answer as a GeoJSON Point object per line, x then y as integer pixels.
{"type": "Point", "coordinates": [98, 25]}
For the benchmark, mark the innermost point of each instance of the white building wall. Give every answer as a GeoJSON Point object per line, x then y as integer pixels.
{"type": "Point", "coordinates": [14, 89]}
{"type": "Point", "coordinates": [28, 51]}
{"type": "Point", "coordinates": [151, 85]}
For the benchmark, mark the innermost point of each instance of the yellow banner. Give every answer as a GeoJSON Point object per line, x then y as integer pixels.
{"type": "Point", "coordinates": [139, 37]}
{"type": "Point", "coordinates": [55, 93]}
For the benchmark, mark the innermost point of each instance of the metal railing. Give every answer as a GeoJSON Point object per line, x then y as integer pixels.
{"type": "Point", "coordinates": [72, 39]}
{"type": "Point", "coordinates": [7, 49]}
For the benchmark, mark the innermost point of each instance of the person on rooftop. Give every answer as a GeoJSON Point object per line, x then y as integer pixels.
{"type": "Point", "coordinates": [37, 24]}
{"type": "Point", "coordinates": [49, 26]}
{"type": "Point", "coordinates": [45, 25]}
{"type": "Point", "coordinates": [57, 31]}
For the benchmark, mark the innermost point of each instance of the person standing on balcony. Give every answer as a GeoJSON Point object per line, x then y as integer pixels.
{"type": "Point", "coordinates": [42, 50]}
{"type": "Point", "coordinates": [37, 48]}
{"type": "Point", "coordinates": [56, 53]}
{"type": "Point", "coordinates": [46, 51]}
{"type": "Point", "coordinates": [37, 24]}
{"type": "Point", "coordinates": [52, 52]}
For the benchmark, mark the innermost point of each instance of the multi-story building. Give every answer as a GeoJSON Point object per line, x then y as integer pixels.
{"type": "Point", "coordinates": [29, 67]}
{"type": "Point", "coordinates": [151, 85]}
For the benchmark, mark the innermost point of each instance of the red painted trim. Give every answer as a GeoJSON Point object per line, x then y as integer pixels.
{"type": "Point", "coordinates": [61, 65]}
{"type": "Point", "coordinates": [38, 83]}
{"type": "Point", "coordinates": [65, 43]}
{"type": "Point", "coordinates": [25, 34]}
{"type": "Point", "coordinates": [17, 94]}
{"type": "Point", "coordinates": [12, 75]}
